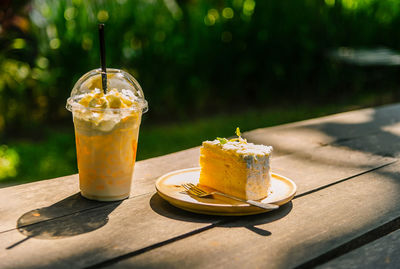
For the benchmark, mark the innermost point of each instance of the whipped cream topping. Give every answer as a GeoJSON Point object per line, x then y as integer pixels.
{"type": "Point", "coordinates": [112, 99]}
{"type": "Point", "coordinates": [104, 111]}
{"type": "Point", "coordinates": [242, 148]}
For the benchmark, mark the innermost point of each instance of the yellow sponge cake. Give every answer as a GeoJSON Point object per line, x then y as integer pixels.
{"type": "Point", "coordinates": [236, 167]}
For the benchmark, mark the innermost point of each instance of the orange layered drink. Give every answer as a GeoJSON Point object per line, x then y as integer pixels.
{"type": "Point", "coordinates": [106, 132]}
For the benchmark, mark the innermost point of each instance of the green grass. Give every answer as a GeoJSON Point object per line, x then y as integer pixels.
{"type": "Point", "coordinates": [54, 155]}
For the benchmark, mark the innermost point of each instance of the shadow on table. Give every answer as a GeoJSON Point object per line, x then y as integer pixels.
{"type": "Point", "coordinates": [250, 222]}
{"type": "Point", "coordinates": [163, 208]}
{"type": "Point", "coordinates": [376, 132]}
{"type": "Point", "coordinates": [64, 219]}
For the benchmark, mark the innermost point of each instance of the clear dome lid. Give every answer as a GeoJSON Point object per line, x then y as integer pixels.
{"type": "Point", "coordinates": [118, 80]}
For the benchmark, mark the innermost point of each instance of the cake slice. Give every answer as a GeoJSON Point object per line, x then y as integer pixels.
{"type": "Point", "coordinates": [236, 167]}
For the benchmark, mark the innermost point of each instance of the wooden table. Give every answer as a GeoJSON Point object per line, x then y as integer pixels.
{"type": "Point", "coordinates": [346, 213]}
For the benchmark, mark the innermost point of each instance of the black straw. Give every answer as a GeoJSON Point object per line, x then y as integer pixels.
{"type": "Point", "coordinates": [103, 58]}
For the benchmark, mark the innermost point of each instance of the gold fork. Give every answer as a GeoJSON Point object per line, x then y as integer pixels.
{"type": "Point", "coordinates": [197, 191]}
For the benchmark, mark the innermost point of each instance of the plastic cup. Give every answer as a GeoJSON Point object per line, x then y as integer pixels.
{"type": "Point", "coordinates": [106, 138]}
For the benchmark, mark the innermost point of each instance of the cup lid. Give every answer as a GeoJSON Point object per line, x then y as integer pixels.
{"type": "Point", "coordinates": [116, 79]}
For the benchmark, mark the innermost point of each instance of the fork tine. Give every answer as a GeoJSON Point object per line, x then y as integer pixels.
{"type": "Point", "coordinates": [190, 188]}
{"type": "Point", "coordinates": [195, 193]}
{"type": "Point", "coordinates": [193, 189]}
{"type": "Point", "coordinates": [185, 186]}
{"type": "Point", "coordinates": [197, 189]}
{"type": "Point", "coordinates": [201, 192]}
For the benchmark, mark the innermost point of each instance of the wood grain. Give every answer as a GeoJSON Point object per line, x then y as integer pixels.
{"type": "Point", "coordinates": [62, 235]}
{"type": "Point", "coordinates": [336, 161]}
{"type": "Point", "coordinates": [307, 169]}
{"type": "Point", "coordinates": [328, 130]}
{"type": "Point", "coordinates": [382, 253]}
{"type": "Point", "coordinates": [87, 237]}
{"type": "Point", "coordinates": [315, 224]}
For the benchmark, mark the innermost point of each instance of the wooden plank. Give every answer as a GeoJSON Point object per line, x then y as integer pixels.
{"type": "Point", "coordinates": [144, 216]}
{"type": "Point", "coordinates": [382, 253]}
{"type": "Point", "coordinates": [95, 235]}
{"type": "Point", "coordinates": [303, 135]}
{"type": "Point", "coordinates": [312, 225]}
{"type": "Point", "coordinates": [327, 165]}
{"type": "Point", "coordinates": [385, 143]}
{"type": "Point", "coordinates": [308, 169]}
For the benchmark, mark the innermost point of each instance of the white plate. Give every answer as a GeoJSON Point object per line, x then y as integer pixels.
{"type": "Point", "coordinates": [281, 191]}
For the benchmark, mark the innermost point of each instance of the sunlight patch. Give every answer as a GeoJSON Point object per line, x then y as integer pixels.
{"type": "Point", "coordinates": [9, 160]}
{"type": "Point", "coordinates": [358, 117]}
{"type": "Point", "coordinates": [394, 129]}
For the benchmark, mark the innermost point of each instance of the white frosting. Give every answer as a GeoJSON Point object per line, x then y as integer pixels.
{"type": "Point", "coordinates": [244, 149]}
{"type": "Point", "coordinates": [258, 176]}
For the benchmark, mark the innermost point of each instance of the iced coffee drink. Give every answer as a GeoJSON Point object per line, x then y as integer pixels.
{"type": "Point", "coordinates": [106, 132]}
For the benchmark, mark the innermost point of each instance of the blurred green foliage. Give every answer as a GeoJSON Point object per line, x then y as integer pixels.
{"type": "Point", "coordinates": [192, 57]}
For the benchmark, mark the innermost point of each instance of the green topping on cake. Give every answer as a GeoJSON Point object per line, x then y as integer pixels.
{"type": "Point", "coordinates": [222, 140]}
{"type": "Point", "coordinates": [239, 138]}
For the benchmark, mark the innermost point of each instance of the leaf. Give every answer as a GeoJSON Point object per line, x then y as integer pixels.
{"type": "Point", "coordinates": [222, 140]}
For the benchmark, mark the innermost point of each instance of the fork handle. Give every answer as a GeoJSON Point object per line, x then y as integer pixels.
{"type": "Point", "coordinates": [251, 202]}
{"type": "Point", "coordinates": [262, 205]}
